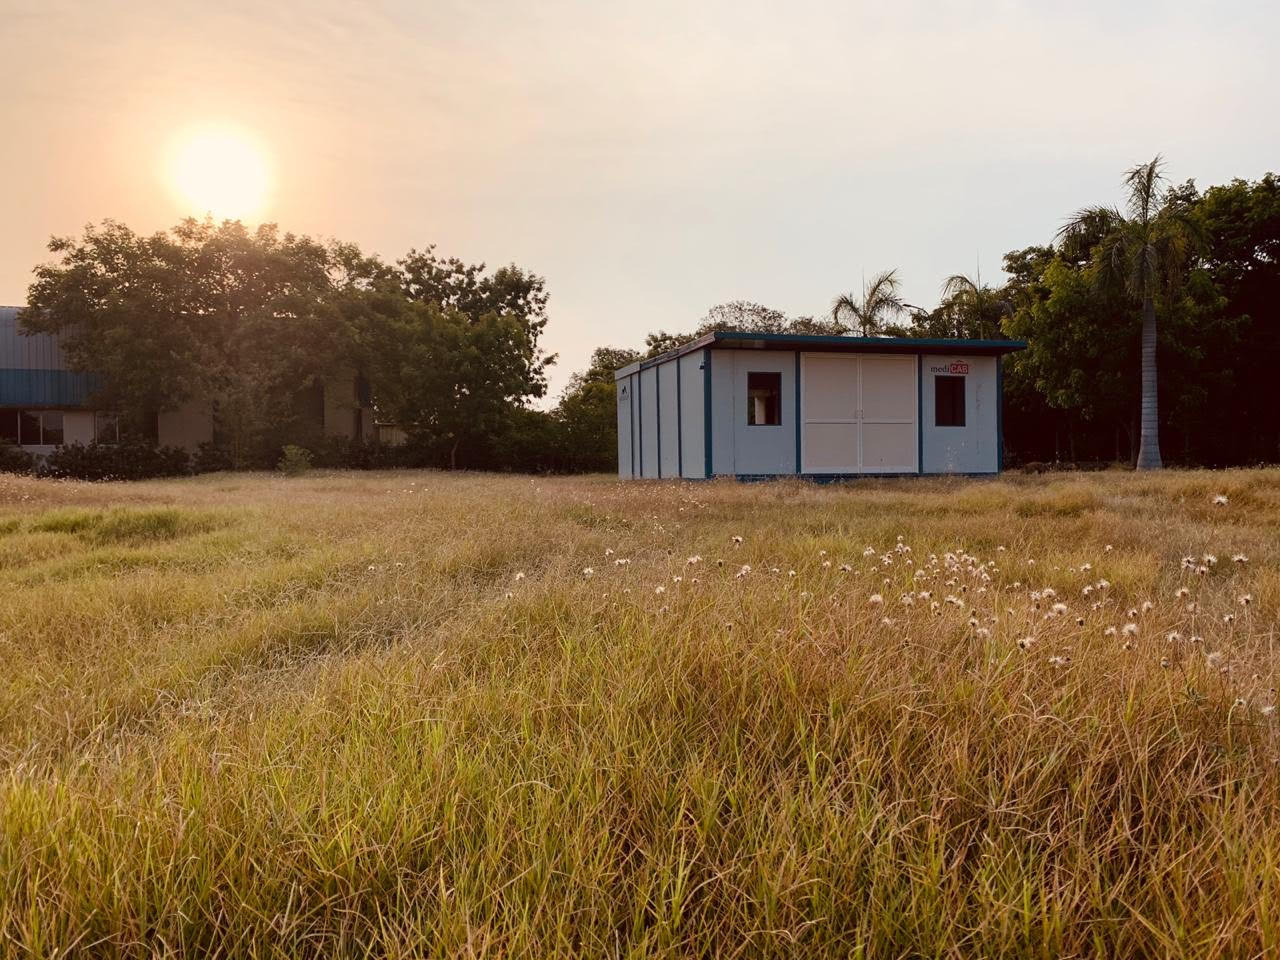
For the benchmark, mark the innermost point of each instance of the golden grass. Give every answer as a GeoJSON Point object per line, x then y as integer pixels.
{"type": "Point", "coordinates": [242, 715]}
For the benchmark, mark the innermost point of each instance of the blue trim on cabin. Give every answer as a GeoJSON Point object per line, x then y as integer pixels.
{"type": "Point", "coordinates": [792, 341]}
{"type": "Point", "coordinates": [679, 424]}
{"type": "Point", "coordinates": [706, 408]}
{"type": "Point", "coordinates": [999, 414]}
{"type": "Point", "coordinates": [920, 413]}
{"type": "Point", "coordinates": [657, 407]}
{"type": "Point", "coordinates": [631, 407]}
{"type": "Point", "coordinates": [846, 477]}
{"type": "Point", "coordinates": [797, 415]}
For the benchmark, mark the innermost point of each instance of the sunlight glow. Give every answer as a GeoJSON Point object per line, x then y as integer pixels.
{"type": "Point", "coordinates": [220, 172]}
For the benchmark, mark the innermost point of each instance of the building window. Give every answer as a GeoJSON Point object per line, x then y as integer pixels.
{"type": "Point", "coordinates": [948, 401]}
{"type": "Point", "coordinates": [29, 427]}
{"type": "Point", "coordinates": [52, 423]}
{"type": "Point", "coordinates": [764, 399]}
{"type": "Point", "coordinates": [9, 426]}
{"type": "Point", "coordinates": [106, 427]}
{"type": "Point", "coordinates": [40, 427]}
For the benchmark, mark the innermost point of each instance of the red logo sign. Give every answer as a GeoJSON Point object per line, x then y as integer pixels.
{"type": "Point", "coordinates": [959, 367]}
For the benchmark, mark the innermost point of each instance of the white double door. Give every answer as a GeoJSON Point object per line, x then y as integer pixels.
{"type": "Point", "coordinates": [859, 413]}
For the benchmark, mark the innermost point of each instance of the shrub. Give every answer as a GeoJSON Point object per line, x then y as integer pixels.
{"type": "Point", "coordinates": [211, 457]}
{"type": "Point", "coordinates": [14, 459]}
{"type": "Point", "coordinates": [127, 460]}
{"type": "Point", "coordinates": [294, 460]}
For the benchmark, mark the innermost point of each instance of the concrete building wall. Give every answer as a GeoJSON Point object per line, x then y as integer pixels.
{"type": "Point", "coordinates": [186, 427]}
{"type": "Point", "coordinates": [77, 427]}
{"type": "Point", "coordinates": [344, 415]}
{"type": "Point", "coordinates": [693, 456]}
{"type": "Point", "coordinates": [975, 447]}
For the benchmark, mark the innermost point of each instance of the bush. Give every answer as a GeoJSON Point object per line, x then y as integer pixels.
{"type": "Point", "coordinates": [127, 460]}
{"type": "Point", "coordinates": [211, 457]}
{"type": "Point", "coordinates": [13, 459]}
{"type": "Point", "coordinates": [294, 460]}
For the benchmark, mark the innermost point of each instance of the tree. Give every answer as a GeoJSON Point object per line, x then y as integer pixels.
{"type": "Point", "coordinates": [972, 308]}
{"type": "Point", "coordinates": [1144, 253]}
{"type": "Point", "coordinates": [465, 289]}
{"type": "Point", "coordinates": [879, 302]}
{"type": "Point", "coordinates": [206, 311]}
{"type": "Point", "coordinates": [447, 378]}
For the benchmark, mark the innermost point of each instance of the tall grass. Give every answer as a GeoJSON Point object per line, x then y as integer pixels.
{"type": "Point", "coordinates": [439, 715]}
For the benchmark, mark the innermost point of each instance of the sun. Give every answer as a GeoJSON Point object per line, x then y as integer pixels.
{"type": "Point", "coordinates": [220, 172]}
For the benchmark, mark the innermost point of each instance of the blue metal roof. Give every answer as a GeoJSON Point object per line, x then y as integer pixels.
{"type": "Point", "coordinates": [33, 369]}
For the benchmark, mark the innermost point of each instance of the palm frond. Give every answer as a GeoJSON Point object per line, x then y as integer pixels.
{"type": "Point", "coordinates": [845, 303]}
{"type": "Point", "coordinates": [1085, 228]}
{"type": "Point", "coordinates": [1143, 183]}
{"type": "Point", "coordinates": [958, 285]}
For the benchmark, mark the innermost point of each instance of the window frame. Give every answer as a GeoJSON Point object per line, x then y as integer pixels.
{"type": "Point", "coordinates": [102, 417]}
{"type": "Point", "coordinates": [959, 408]}
{"type": "Point", "coordinates": [776, 378]}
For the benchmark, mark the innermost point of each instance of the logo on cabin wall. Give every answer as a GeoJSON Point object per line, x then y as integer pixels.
{"type": "Point", "coordinates": [956, 367]}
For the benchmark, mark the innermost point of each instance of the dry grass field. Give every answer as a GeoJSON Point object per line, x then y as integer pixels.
{"type": "Point", "coordinates": [422, 714]}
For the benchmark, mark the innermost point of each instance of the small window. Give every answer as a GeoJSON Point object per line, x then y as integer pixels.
{"type": "Point", "coordinates": [106, 427]}
{"type": "Point", "coordinates": [764, 399]}
{"type": "Point", "coordinates": [8, 426]}
{"type": "Point", "coordinates": [948, 401]}
{"type": "Point", "coordinates": [52, 427]}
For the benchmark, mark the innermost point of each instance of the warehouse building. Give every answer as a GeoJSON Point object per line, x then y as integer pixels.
{"type": "Point", "coordinates": [44, 404]}
{"type": "Point", "coordinates": [767, 405]}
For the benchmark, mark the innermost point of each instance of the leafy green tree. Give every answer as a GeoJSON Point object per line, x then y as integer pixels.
{"type": "Point", "coordinates": [741, 316]}
{"type": "Point", "coordinates": [206, 311]}
{"type": "Point", "coordinates": [879, 303]}
{"type": "Point", "coordinates": [1145, 254]}
{"type": "Point", "coordinates": [448, 378]}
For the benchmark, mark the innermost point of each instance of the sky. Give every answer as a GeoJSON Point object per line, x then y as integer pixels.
{"type": "Point", "coordinates": [650, 159]}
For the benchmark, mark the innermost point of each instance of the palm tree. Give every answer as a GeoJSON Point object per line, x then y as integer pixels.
{"type": "Point", "coordinates": [975, 307]}
{"type": "Point", "coordinates": [878, 302]}
{"type": "Point", "coordinates": [1144, 253]}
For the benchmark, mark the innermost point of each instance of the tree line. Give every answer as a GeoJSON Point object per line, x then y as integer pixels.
{"type": "Point", "coordinates": [1152, 329]}
{"type": "Point", "coordinates": [252, 322]}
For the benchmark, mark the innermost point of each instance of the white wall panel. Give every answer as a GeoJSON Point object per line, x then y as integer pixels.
{"type": "Point", "coordinates": [973, 448]}
{"type": "Point", "coordinates": [692, 415]}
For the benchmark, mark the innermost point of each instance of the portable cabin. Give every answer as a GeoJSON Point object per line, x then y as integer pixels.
{"type": "Point", "coordinates": [766, 405]}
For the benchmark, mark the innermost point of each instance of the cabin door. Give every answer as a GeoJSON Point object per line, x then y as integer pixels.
{"type": "Point", "coordinates": [858, 414]}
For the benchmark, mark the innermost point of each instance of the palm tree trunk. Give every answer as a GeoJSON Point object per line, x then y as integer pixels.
{"type": "Point", "coordinates": [1149, 438]}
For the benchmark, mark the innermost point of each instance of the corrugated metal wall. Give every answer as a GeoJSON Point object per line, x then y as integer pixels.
{"type": "Point", "coordinates": [33, 370]}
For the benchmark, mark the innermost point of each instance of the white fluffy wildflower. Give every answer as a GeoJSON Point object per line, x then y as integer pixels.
{"type": "Point", "coordinates": [587, 571]}
{"type": "Point", "coordinates": [1220, 500]}
{"type": "Point", "coordinates": [875, 599]}
{"type": "Point", "coordinates": [1130, 630]}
